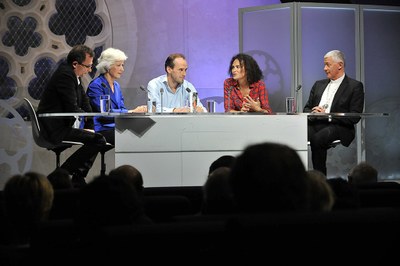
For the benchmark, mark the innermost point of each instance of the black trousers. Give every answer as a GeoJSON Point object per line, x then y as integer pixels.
{"type": "Point", "coordinates": [80, 162]}
{"type": "Point", "coordinates": [321, 135]}
{"type": "Point", "coordinates": [109, 135]}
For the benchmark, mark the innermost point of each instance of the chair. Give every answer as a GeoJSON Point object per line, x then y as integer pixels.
{"type": "Point", "coordinates": [106, 148]}
{"type": "Point", "coordinates": [333, 143]}
{"type": "Point", "coordinates": [41, 141]}
{"type": "Point", "coordinates": [58, 148]}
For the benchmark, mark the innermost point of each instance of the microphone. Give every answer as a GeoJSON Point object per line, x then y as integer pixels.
{"type": "Point", "coordinates": [190, 99]}
{"type": "Point", "coordinates": [149, 102]}
{"type": "Point", "coordinates": [162, 106]}
{"type": "Point", "coordinates": [297, 96]}
{"type": "Point", "coordinates": [105, 87]}
{"type": "Point", "coordinates": [144, 89]}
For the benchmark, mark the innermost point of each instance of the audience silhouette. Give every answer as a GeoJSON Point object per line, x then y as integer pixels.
{"type": "Point", "coordinates": [363, 173]}
{"type": "Point", "coordinates": [28, 200]}
{"type": "Point", "coordinates": [217, 192]}
{"type": "Point", "coordinates": [225, 160]}
{"type": "Point", "coordinates": [110, 201]}
{"type": "Point", "coordinates": [269, 177]}
{"type": "Point", "coordinates": [131, 175]}
{"type": "Point", "coordinates": [322, 197]}
{"type": "Point", "coordinates": [263, 192]}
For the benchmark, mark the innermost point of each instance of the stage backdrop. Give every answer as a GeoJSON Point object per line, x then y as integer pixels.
{"type": "Point", "coordinates": [36, 35]}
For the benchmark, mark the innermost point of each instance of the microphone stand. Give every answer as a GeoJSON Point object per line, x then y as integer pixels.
{"type": "Point", "coordinates": [162, 105]}
{"type": "Point", "coordinates": [229, 99]}
{"type": "Point", "coordinates": [190, 99]}
{"type": "Point", "coordinates": [297, 97]}
{"type": "Point", "coordinates": [149, 103]}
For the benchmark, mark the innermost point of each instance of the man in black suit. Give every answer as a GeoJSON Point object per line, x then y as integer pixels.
{"type": "Point", "coordinates": [65, 94]}
{"type": "Point", "coordinates": [336, 94]}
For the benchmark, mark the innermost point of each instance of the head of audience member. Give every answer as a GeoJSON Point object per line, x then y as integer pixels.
{"type": "Point", "coordinates": [334, 64]}
{"type": "Point", "coordinates": [363, 173]}
{"type": "Point", "coordinates": [112, 61]}
{"type": "Point", "coordinates": [60, 179]}
{"type": "Point", "coordinates": [322, 197]}
{"type": "Point", "coordinates": [223, 161]}
{"type": "Point", "coordinates": [81, 59]}
{"type": "Point", "coordinates": [346, 194]}
{"type": "Point", "coordinates": [217, 192]}
{"type": "Point", "coordinates": [130, 174]}
{"type": "Point", "coordinates": [247, 68]}
{"type": "Point", "coordinates": [28, 200]}
{"type": "Point", "coordinates": [269, 177]}
{"type": "Point", "coordinates": [107, 201]}
{"type": "Point", "coordinates": [176, 67]}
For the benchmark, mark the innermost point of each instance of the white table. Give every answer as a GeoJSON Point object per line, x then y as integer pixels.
{"type": "Point", "coordinates": [177, 150]}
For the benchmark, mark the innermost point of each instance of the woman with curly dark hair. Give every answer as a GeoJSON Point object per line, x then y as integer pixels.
{"type": "Point", "coordinates": [245, 90]}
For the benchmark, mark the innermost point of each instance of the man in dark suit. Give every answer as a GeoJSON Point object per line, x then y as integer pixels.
{"type": "Point", "coordinates": [336, 94]}
{"type": "Point", "coordinates": [65, 94]}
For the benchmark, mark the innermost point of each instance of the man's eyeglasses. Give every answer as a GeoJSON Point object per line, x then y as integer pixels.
{"type": "Point", "coordinates": [87, 66]}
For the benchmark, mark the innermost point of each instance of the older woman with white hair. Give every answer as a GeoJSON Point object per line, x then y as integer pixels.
{"type": "Point", "coordinates": [110, 66]}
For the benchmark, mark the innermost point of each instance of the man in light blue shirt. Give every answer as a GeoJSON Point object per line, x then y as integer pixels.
{"type": "Point", "coordinates": [171, 91]}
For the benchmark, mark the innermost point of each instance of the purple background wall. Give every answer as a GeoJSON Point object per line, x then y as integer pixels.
{"type": "Point", "coordinates": [207, 32]}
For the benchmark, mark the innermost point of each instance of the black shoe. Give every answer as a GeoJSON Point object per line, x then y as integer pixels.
{"type": "Point", "coordinates": [78, 181]}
